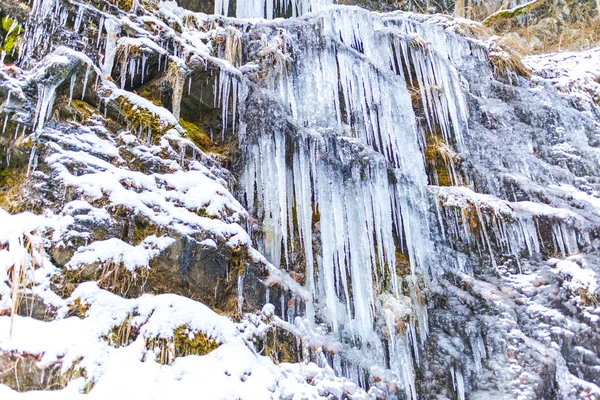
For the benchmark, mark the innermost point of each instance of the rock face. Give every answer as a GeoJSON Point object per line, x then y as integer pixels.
{"type": "Point", "coordinates": [414, 210]}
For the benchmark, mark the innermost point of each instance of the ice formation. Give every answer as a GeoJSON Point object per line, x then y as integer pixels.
{"type": "Point", "coordinates": [364, 143]}
{"type": "Point", "coordinates": [269, 8]}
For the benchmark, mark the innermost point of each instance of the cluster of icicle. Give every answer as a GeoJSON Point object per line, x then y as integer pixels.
{"type": "Point", "coordinates": [484, 224]}
{"type": "Point", "coordinates": [356, 165]}
{"type": "Point", "coordinates": [269, 8]}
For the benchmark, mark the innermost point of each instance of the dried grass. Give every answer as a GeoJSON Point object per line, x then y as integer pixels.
{"type": "Point", "coordinates": [506, 60]}
{"type": "Point", "coordinates": [30, 258]}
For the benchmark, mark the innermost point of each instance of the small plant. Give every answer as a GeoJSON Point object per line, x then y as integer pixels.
{"type": "Point", "coordinates": [27, 255]}
{"type": "Point", "coordinates": [184, 342]}
{"type": "Point", "coordinates": [505, 60]}
{"type": "Point", "coordinates": [418, 42]}
{"type": "Point", "coordinates": [21, 372]}
{"type": "Point", "coordinates": [123, 334]}
{"type": "Point", "coordinates": [78, 309]}
{"type": "Point", "coordinates": [588, 298]}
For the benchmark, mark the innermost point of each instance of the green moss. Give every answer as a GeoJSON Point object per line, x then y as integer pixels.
{"type": "Point", "coordinates": [11, 195]}
{"type": "Point", "coordinates": [20, 372]}
{"type": "Point", "coordinates": [504, 15]}
{"type": "Point", "coordinates": [143, 227]}
{"type": "Point", "coordinates": [437, 168]}
{"type": "Point", "coordinates": [123, 334]}
{"type": "Point", "coordinates": [185, 342]}
{"type": "Point", "coordinates": [125, 5]}
{"type": "Point", "coordinates": [10, 41]}
{"type": "Point", "coordinates": [188, 342]}
{"type": "Point", "coordinates": [279, 345]}
{"type": "Point", "coordinates": [149, 94]}
{"type": "Point", "coordinates": [77, 110]}
{"type": "Point", "coordinates": [78, 309]}
{"type": "Point", "coordinates": [138, 117]}
{"type": "Point", "coordinates": [197, 135]}
{"type": "Point", "coordinates": [402, 264]}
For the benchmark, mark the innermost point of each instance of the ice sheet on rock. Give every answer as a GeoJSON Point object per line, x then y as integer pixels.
{"type": "Point", "coordinates": [592, 199]}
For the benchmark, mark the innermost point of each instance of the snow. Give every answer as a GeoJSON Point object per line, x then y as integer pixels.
{"type": "Point", "coordinates": [593, 199]}
{"type": "Point", "coordinates": [167, 199]}
{"type": "Point", "coordinates": [164, 115]}
{"type": "Point", "coordinates": [347, 161]}
{"type": "Point", "coordinates": [575, 73]}
{"type": "Point", "coordinates": [580, 277]}
{"type": "Point", "coordinates": [117, 251]}
{"type": "Point", "coordinates": [233, 370]}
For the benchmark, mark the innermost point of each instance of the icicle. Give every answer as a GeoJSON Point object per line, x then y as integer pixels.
{"type": "Point", "coordinates": [4, 126]}
{"type": "Point", "coordinates": [240, 293]}
{"type": "Point", "coordinates": [78, 19]}
{"type": "Point", "coordinates": [31, 164]}
{"type": "Point", "coordinates": [267, 8]}
{"type": "Point", "coordinates": [458, 383]}
{"type": "Point", "coordinates": [233, 46]}
{"type": "Point", "coordinates": [71, 87]}
{"type": "Point", "coordinates": [113, 28]}
{"type": "Point", "coordinates": [144, 59]}
{"type": "Point", "coordinates": [177, 81]}
{"type": "Point", "coordinates": [44, 106]}
{"type": "Point", "coordinates": [100, 26]}
{"type": "Point", "coordinates": [85, 80]}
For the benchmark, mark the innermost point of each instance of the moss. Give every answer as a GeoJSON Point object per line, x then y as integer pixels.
{"type": "Point", "coordinates": [438, 169]}
{"type": "Point", "coordinates": [11, 193]}
{"type": "Point", "coordinates": [150, 95]}
{"type": "Point", "coordinates": [184, 342]}
{"type": "Point", "coordinates": [10, 41]}
{"type": "Point", "coordinates": [188, 342]}
{"type": "Point", "coordinates": [279, 345]}
{"type": "Point", "coordinates": [402, 264]}
{"type": "Point", "coordinates": [123, 334]}
{"type": "Point", "coordinates": [77, 110]}
{"type": "Point", "coordinates": [78, 309]}
{"type": "Point", "coordinates": [143, 227]}
{"type": "Point", "coordinates": [138, 117]}
{"type": "Point", "coordinates": [125, 5]}
{"type": "Point", "coordinates": [197, 135]}
{"type": "Point", "coordinates": [20, 372]}
{"type": "Point", "coordinates": [316, 216]}
{"type": "Point", "coordinates": [505, 15]}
